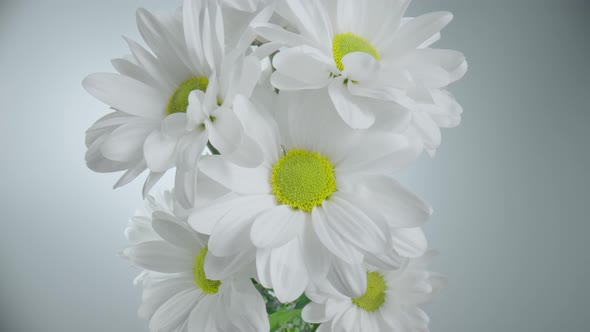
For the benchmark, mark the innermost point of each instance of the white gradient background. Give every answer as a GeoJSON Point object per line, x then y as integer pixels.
{"type": "Point", "coordinates": [510, 187]}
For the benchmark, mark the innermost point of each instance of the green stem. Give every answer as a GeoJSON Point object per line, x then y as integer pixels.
{"type": "Point", "coordinates": [213, 150]}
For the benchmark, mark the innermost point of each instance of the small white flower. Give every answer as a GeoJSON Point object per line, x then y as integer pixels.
{"type": "Point", "coordinates": [179, 294]}
{"type": "Point", "coordinates": [365, 52]}
{"type": "Point", "coordinates": [318, 204]}
{"type": "Point", "coordinates": [391, 302]}
{"type": "Point", "coordinates": [150, 127]}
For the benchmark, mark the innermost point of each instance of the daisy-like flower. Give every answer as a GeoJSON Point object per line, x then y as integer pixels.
{"type": "Point", "coordinates": [389, 304]}
{"type": "Point", "coordinates": [151, 127]}
{"type": "Point", "coordinates": [320, 201]}
{"type": "Point", "coordinates": [179, 295]}
{"type": "Point", "coordinates": [364, 52]}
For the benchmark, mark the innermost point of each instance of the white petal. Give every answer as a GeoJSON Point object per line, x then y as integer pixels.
{"type": "Point", "coordinates": [348, 321]}
{"type": "Point", "coordinates": [161, 77]}
{"type": "Point", "coordinates": [159, 39]}
{"type": "Point", "coordinates": [353, 114]}
{"type": "Point", "coordinates": [452, 62]}
{"type": "Point", "coordinates": [232, 233]}
{"type": "Point", "coordinates": [175, 232]}
{"type": "Point", "coordinates": [204, 218]}
{"type": "Point", "coordinates": [428, 129]}
{"type": "Point", "coordinates": [225, 133]}
{"type": "Point", "coordinates": [370, 148]}
{"type": "Point", "coordinates": [131, 174]}
{"type": "Point", "coordinates": [150, 182]}
{"type": "Point", "coordinates": [263, 267]}
{"type": "Point", "coordinates": [159, 290]}
{"type": "Point", "coordinates": [175, 311]}
{"type": "Point", "coordinates": [277, 227]}
{"type": "Point", "coordinates": [332, 240]}
{"type": "Point", "coordinates": [409, 242]}
{"type": "Point", "coordinates": [126, 94]}
{"type": "Point", "coordinates": [160, 257]}
{"type": "Point", "coordinates": [202, 318]}
{"type": "Point", "coordinates": [288, 272]}
{"type": "Point", "coordinates": [354, 226]}
{"type": "Point", "coordinates": [128, 68]}
{"type": "Point", "coordinates": [348, 279]}
{"type": "Point", "coordinates": [248, 311]}
{"type": "Point", "coordinates": [275, 33]}
{"type": "Point", "coordinates": [258, 126]}
{"type": "Point", "coordinates": [304, 65]}
{"type": "Point", "coordinates": [174, 125]}
{"type": "Point", "coordinates": [159, 151]}
{"type": "Point", "coordinates": [220, 268]}
{"type": "Point", "coordinates": [387, 261]}
{"type": "Point", "coordinates": [251, 71]}
{"type": "Point", "coordinates": [401, 207]}
{"type": "Point", "coordinates": [191, 11]}
{"type": "Point", "coordinates": [126, 142]}
{"type": "Point", "coordinates": [239, 179]}
{"type": "Point", "coordinates": [415, 32]}
{"type": "Point", "coordinates": [287, 83]}
{"type": "Point", "coordinates": [317, 257]}
{"type": "Point", "coordinates": [314, 313]}
{"type": "Point", "coordinates": [360, 66]}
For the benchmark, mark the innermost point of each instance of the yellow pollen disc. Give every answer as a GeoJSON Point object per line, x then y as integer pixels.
{"type": "Point", "coordinates": [375, 294]}
{"type": "Point", "coordinates": [303, 179]}
{"type": "Point", "coordinates": [345, 43]}
{"type": "Point", "coordinates": [206, 285]}
{"type": "Point", "coordinates": [178, 103]}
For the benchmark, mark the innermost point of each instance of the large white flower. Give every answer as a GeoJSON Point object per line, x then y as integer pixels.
{"type": "Point", "coordinates": [320, 202]}
{"type": "Point", "coordinates": [389, 304]}
{"type": "Point", "coordinates": [365, 52]}
{"type": "Point", "coordinates": [178, 294]}
{"type": "Point", "coordinates": [150, 127]}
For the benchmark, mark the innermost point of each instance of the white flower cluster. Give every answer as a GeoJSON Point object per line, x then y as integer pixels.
{"type": "Point", "coordinates": [284, 121]}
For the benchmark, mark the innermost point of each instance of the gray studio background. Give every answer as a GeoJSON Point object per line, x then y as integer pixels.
{"type": "Point", "coordinates": [510, 187]}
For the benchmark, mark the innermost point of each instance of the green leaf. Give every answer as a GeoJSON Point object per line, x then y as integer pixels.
{"type": "Point", "coordinates": [282, 317]}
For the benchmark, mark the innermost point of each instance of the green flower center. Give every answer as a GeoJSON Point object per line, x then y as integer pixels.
{"type": "Point", "coordinates": [375, 294]}
{"type": "Point", "coordinates": [179, 101]}
{"type": "Point", "coordinates": [303, 179]}
{"type": "Point", "coordinates": [206, 285]}
{"type": "Point", "coordinates": [345, 43]}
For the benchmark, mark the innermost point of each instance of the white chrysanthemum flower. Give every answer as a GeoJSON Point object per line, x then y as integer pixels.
{"type": "Point", "coordinates": [365, 52]}
{"type": "Point", "coordinates": [178, 294]}
{"type": "Point", "coordinates": [391, 302]}
{"type": "Point", "coordinates": [320, 202]}
{"type": "Point", "coordinates": [150, 127]}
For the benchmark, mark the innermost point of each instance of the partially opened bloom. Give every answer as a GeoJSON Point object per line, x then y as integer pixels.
{"type": "Point", "coordinates": [391, 302]}
{"type": "Point", "coordinates": [319, 203]}
{"type": "Point", "coordinates": [150, 127]}
{"type": "Point", "coordinates": [179, 294]}
{"type": "Point", "coordinates": [366, 54]}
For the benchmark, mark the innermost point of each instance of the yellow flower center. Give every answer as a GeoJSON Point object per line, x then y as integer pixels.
{"type": "Point", "coordinates": [303, 179]}
{"type": "Point", "coordinates": [345, 43]}
{"type": "Point", "coordinates": [206, 285]}
{"type": "Point", "coordinates": [375, 294]}
{"type": "Point", "coordinates": [178, 103]}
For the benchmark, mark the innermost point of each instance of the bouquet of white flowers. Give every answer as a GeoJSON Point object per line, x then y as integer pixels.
{"type": "Point", "coordinates": [284, 121]}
